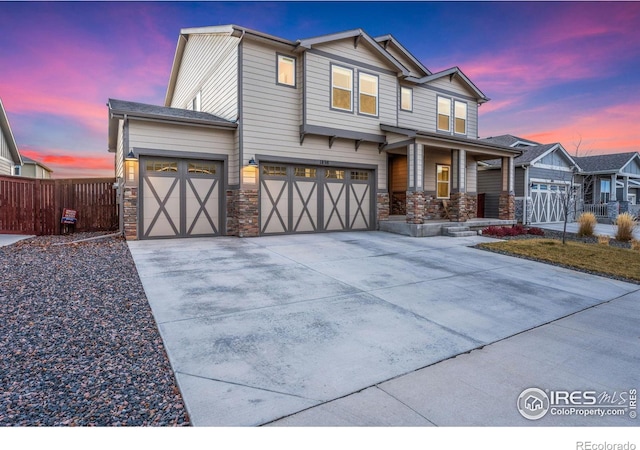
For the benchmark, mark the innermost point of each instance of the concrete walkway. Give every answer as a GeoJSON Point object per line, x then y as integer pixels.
{"type": "Point", "coordinates": [361, 329]}
{"type": "Point", "coordinates": [8, 239]}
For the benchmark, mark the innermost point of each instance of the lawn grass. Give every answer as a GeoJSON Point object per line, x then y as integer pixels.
{"type": "Point", "coordinates": [594, 258]}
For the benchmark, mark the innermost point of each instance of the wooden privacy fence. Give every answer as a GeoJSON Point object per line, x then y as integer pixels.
{"type": "Point", "coordinates": [30, 206]}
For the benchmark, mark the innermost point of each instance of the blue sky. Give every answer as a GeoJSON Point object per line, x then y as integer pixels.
{"type": "Point", "coordinates": [556, 72]}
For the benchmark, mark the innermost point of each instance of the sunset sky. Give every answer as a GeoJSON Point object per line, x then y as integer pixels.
{"type": "Point", "coordinates": [556, 72]}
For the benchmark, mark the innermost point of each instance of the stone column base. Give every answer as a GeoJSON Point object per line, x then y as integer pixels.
{"type": "Point", "coordinates": [382, 205]}
{"type": "Point", "coordinates": [507, 206]}
{"type": "Point", "coordinates": [415, 207]}
{"type": "Point", "coordinates": [462, 207]}
{"type": "Point", "coordinates": [247, 213]}
{"type": "Point", "coordinates": [130, 207]}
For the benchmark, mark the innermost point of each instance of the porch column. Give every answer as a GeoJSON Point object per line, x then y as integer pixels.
{"type": "Point", "coordinates": [625, 189]}
{"type": "Point", "coordinates": [612, 189]}
{"type": "Point", "coordinates": [506, 203]}
{"type": "Point", "coordinates": [459, 206]}
{"type": "Point", "coordinates": [415, 185]}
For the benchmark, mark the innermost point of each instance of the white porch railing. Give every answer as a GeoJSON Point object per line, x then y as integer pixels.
{"type": "Point", "coordinates": [598, 210]}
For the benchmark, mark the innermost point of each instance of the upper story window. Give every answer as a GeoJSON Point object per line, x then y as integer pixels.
{"type": "Point", "coordinates": [460, 109]}
{"type": "Point", "coordinates": [286, 70]}
{"type": "Point", "coordinates": [17, 170]}
{"type": "Point", "coordinates": [368, 89]}
{"type": "Point", "coordinates": [444, 114]}
{"type": "Point", "coordinates": [406, 99]}
{"type": "Point", "coordinates": [341, 88]}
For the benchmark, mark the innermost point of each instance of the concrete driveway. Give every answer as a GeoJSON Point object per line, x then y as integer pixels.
{"type": "Point", "coordinates": [260, 329]}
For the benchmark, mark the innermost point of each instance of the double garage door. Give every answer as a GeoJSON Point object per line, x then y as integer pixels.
{"type": "Point", "coordinates": [180, 197]}
{"type": "Point", "coordinates": [306, 199]}
{"type": "Point", "coordinates": [547, 201]}
{"type": "Point", "coordinates": [185, 198]}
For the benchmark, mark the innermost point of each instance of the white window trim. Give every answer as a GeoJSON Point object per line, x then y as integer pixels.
{"type": "Point", "coordinates": [448, 130]}
{"type": "Point", "coordinates": [17, 171]}
{"type": "Point", "coordinates": [377, 94]}
{"type": "Point", "coordinates": [335, 108]}
{"type": "Point", "coordinates": [448, 181]}
{"type": "Point", "coordinates": [466, 117]}
{"type": "Point", "coordinates": [279, 57]}
{"type": "Point", "coordinates": [410, 109]}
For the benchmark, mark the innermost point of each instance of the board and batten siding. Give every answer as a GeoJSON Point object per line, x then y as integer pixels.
{"type": "Point", "coordinates": [318, 101]}
{"type": "Point", "coordinates": [272, 115]}
{"type": "Point", "coordinates": [632, 167]}
{"type": "Point", "coordinates": [209, 65]}
{"type": "Point", "coordinates": [208, 141]}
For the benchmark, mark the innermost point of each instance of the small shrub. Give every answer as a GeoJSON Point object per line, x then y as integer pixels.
{"type": "Point", "coordinates": [603, 240]}
{"type": "Point", "coordinates": [536, 231]}
{"type": "Point", "coordinates": [626, 224]}
{"type": "Point", "coordinates": [586, 224]}
{"type": "Point", "coordinates": [635, 244]}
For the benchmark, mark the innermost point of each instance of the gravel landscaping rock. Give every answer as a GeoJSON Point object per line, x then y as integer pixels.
{"type": "Point", "coordinates": [78, 341]}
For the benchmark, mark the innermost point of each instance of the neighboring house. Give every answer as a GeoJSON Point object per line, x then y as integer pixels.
{"type": "Point", "coordinates": [34, 169]}
{"type": "Point", "coordinates": [612, 179]}
{"type": "Point", "coordinates": [543, 179]}
{"type": "Point", "coordinates": [10, 159]}
{"type": "Point", "coordinates": [263, 135]}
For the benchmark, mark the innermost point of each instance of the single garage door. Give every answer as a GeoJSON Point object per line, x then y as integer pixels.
{"type": "Point", "coordinates": [180, 197]}
{"type": "Point", "coordinates": [307, 199]}
{"type": "Point", "coordinates": [547, 201]}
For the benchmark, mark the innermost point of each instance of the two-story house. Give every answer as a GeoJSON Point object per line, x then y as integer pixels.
{"type": "Point", "coordinates": [263, 135]}
{"type": "Point", "coordinates": [10, 159]}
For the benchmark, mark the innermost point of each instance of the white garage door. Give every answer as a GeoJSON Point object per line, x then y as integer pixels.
{"type": "Point", "coordinates": [306, 199]}
{"type": "Point", "coordinates": [547, 201]}
{"type": "Point", "coordinates": [180, 197]}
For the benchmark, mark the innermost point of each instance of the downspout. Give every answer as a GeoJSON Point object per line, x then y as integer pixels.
{"type": "Point", "coordinates": [125, 145]}
{"type": "Point", "coordinates": [527, 193]}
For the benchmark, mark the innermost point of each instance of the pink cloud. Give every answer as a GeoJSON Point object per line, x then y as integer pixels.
{"type": "Point", "coordinates": [67, 165]}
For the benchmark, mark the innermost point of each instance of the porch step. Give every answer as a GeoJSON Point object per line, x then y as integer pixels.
{"type": "Point", "coordinates": [458, 231]}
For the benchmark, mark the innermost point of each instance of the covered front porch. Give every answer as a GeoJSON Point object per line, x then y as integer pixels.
{"type": "Point", "coordinates": [433, 178]}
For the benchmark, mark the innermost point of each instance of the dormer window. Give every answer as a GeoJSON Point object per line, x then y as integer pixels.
{"type": "Point", "coordinates": [286, 70]}
{"type": "Point", "coordinates": [444, 114]}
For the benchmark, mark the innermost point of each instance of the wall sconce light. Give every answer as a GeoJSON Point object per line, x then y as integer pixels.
{"type": "Point", "coordinates": [130, 162]}
{"type": "Point", "coordinates": [250, 173]}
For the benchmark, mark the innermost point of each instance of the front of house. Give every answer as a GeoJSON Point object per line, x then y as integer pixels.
{"type": "Point", "coordinates": [261, 135]}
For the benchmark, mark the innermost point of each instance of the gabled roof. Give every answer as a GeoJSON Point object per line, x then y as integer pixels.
{"type": "Point", "coordinates": [510, 140]}
{"type": "Point", "coordinates": [27, 160]}
{"type": "Point", "coordinates": [143, 110]}
{"type": "Point", "coordinates": [389, 39]}
{"type": "Point", "coordinates": [8, 135]}
{"type": "Point", "coordinates": [454, 71]}
{"type": "Point", "coordinates": [610, 163]}
{"type": "Point", "coordinates": [120, 108]}
{"type": "Point", "coordinates": [530, 153]}
{"type": "Point", "coordinates": [357, 34]}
